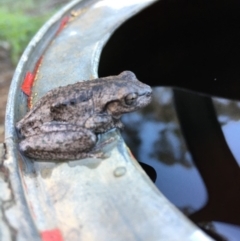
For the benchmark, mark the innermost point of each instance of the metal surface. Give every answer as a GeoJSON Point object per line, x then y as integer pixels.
{"type": "Point", "coordinates": [91, 199]}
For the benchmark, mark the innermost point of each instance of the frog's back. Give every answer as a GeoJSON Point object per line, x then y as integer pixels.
{"type": "Point", "coordinates": [70, 103]}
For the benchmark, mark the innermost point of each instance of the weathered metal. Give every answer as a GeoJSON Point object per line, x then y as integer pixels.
{"type": "Point", "coordinates": [91, 199]}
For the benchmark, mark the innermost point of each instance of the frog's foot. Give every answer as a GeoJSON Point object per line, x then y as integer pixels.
{"type": "Point", "coordinates": [118, 124]}
{"type": "Point", "coordinates": [100, 145]}
{"type": "Point", "coordinates": [98, 150]}
{"type": "Point", "coordinates": [99, 123]}
{"type": "Point", "coordinates": [93, 154]}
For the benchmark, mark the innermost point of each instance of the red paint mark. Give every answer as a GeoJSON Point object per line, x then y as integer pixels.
{"type": "Point", "coordinates": [64, 21]}
{"type": "Point", "coordinates": [29, 78]}
{"type": "Point", "coordinates": [52, 235]}
{"type": "Point", "coordinates": [27, 83]}
{"type": "Point", "coordinates": [131, 155]}
{"type": "Point", "coordinates": [29, 102]}
{"type": "Point", "coordinates": [37, 66]}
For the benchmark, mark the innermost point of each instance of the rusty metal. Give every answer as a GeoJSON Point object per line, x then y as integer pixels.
{"type": "Point", "coordinates": [91, 199]}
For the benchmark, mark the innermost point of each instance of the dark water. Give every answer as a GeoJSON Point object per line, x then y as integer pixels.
{"type": "Point", "coordinates": [155, 138]}
{"type": "Point", "coordinates": [188, 142]}
{"type": "Point", "coordinates": [198, 171]}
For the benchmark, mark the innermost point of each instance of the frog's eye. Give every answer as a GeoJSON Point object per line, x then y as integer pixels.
{"type": "Point", "coordinates": [130, 99]}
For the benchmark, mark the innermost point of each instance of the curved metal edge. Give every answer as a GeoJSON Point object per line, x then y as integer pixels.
{"type": "Point", "coordinates": [13, 205]}
{"type": "Point", "coordinates": [11, 164]}
{"type": "Point", "coordinates": [103, 42]}
{"type": "Point", "coordinates": [53, 22]}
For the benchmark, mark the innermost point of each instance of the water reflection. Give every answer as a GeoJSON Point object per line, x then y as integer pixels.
{"type": "Point", "coordinates": [229, 117]}
{"type": "Point", "coordinates": [231, 232]}
{"type": "Point", "coordinates": [155, 138]}
{"type": "Point", "coordinates": [222, 231]}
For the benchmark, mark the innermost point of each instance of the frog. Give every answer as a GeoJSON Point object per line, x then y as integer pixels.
{"type": "Point", "coordinates": [65, 123]}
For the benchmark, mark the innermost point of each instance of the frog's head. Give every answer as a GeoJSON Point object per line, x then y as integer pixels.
{"type": "Point", "coordinates": [130, 94]}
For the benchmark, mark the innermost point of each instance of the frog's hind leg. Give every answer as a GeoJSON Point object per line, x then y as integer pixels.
{"type": "Point", "coordinates": [71, 143]}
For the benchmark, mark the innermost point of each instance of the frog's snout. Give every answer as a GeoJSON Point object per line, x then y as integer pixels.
{"type": "Point", "coordinates": [148, 92]}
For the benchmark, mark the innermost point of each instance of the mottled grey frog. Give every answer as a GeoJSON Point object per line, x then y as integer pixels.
{"type": "Point", "coordinates": [65, 122]}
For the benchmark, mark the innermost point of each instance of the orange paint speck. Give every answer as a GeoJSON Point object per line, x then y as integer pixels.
{"type": "Point", "coordinates": [30, 76]}
{"type": "Point", "coordinates": [130, 153]}
{"type": "Point", "coordinates": [64, 21]}
{"type": "Point", "coordinates": [27, 83]}
{"type": "Point", "coordinates": [37, 66]}
{"type": "Point", "coordinates": [52, 235]}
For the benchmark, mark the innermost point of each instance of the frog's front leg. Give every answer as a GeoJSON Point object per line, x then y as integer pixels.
{"type": "Point", "coordinates": [60, 141]}
{"type": "Point", "coordinates": [102, 122]}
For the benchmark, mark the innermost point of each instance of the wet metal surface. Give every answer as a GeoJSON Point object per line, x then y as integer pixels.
{"type": "Point", "coordinates": [228, 112]}
{"type": "Point", "coordinates": [91, 199]}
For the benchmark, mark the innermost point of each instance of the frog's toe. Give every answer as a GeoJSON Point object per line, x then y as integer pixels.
{"type": "Point", "coordinates": [102, 155]}
{"type": "Point", "coordinates": [95, 155]}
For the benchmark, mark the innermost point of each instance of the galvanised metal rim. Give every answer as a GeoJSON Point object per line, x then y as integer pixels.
{"type": "Point", "coordinates": [90, 199]}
